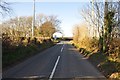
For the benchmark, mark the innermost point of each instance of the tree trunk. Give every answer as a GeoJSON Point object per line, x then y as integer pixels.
{"type": "Point", "coordinates": [105, 27]}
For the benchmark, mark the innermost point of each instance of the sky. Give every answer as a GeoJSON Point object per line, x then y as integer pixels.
{"type": "Point", "coordinates": [67, 12]}
{"type": "Point", "coordinates": [50, 0]}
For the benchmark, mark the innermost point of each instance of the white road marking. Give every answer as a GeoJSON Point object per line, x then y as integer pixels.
{"type": "Point", "coordinates": [62, 48]}
{"type": "Point", "coordinates": [53, 71]}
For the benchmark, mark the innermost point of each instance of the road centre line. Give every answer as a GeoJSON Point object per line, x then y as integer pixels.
{"type": "Point", "coordinates": [63, 45]}
{"type": "Point", "coordinates": [53, 71]}
{"type": "Point", "coordinates": [62, 48]}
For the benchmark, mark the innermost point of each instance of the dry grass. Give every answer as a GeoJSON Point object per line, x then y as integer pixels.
{"type": "Point", "coordinates": [109, 65]}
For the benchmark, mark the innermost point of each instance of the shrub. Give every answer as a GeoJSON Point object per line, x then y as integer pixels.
{"type": "Point", "coordinates": [114, 50]}
{"type": "Point", "coordinates": [90, 44]}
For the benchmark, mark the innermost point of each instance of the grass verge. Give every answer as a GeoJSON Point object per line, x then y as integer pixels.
{"type": "Point", "coordinates": [11, 58]}
{"type": "Point", "coordinates": [109, 68]}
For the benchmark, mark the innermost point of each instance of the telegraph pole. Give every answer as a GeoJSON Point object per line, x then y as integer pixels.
{"type": "Point", "coordinates": [119, 13]}
{"type": "Point", "coordinates": [33, 21]}
{"type": "Point", "coordinates": [93, 18]}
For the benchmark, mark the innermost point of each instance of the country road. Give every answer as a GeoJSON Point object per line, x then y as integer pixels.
{"type": "Point", "coordinates": [59, 61]}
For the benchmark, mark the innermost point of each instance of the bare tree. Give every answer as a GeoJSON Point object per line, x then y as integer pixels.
{"type": "Point", "coordinates": [50, 26]}
{"type": "Point", "coordinates": [95, 19]}
{"type": "Point", "coordinates": [104, 21]}
{"type": "Point", "coordinates": [21, 26]}
{"type": "Point", "coordinates": [4, 8]}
